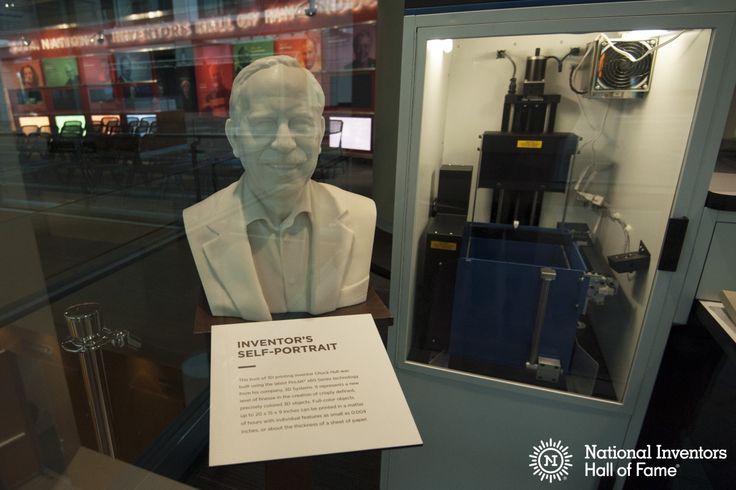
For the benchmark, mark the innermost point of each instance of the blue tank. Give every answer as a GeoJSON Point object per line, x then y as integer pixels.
{"type": "Point", "coordinates": [498, 289]}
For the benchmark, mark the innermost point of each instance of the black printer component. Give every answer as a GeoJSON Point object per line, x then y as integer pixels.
{"type": "Point", "coordinates": [580, 232]}
{"type": "Point", "coordinates": [523, 162]}
{"type": "Point", "coordinates": [530, 114]}
{"type": "Point", "coordinates": [526, 158]}
{"type": "Point", "coordinates": [436, 295]}
{"type": "Point", "coordinates": [536, 67]}
{"type": "Point", "coordinates": [531, 111]}
{"type": "Point", "coordinates": [453, 190]}
{"type": "Point", "coordinates": [443, 237]}
{"type": "Point", "coordinates": [630, 261]}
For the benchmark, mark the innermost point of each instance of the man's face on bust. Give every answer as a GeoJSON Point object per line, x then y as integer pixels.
{"type": "Point", "coordinates": [278, 131]}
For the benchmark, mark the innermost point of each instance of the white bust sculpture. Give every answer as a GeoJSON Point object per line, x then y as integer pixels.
{"type": "Point", "coordinates": [276, 241]}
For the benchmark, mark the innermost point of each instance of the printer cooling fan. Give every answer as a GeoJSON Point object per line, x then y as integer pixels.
{"type": "Point", "coordinates": [616, 75]}
{"type": "Point", "coordinates": [616, 71]}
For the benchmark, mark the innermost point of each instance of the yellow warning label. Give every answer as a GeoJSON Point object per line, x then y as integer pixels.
{"type": "Point", "coordinates": [443, 245]}
{"type": "Point", "coordinates": [529, 144]}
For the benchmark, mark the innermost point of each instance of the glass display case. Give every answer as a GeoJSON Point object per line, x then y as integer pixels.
{"type": "Point", "coordinates": [112, 121]}
{"type": "Point", "coordinates": [550, 163]}
{"type": "Point", "coordinates": [538, 265]}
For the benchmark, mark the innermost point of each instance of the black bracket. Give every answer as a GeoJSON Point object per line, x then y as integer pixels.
{"type": "Point", "coordinates": [631, 261]}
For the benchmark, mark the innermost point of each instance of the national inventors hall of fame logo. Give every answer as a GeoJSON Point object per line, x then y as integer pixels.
{"type": "Point", "coordinates": [550, 461]}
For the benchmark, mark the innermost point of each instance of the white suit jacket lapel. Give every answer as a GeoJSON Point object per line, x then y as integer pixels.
{"type": "Point", "coordinates": [231, 241]}
{"type": "Point", "coordinates": [332, 243]}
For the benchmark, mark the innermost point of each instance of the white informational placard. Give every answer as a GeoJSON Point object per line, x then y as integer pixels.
{"type": "Point", "coordinates": [293, 388]}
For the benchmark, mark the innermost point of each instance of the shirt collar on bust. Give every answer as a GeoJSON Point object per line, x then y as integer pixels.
{"type": "Point", "coordinates": [254, 209]}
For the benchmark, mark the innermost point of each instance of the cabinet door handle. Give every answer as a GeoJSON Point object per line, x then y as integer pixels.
{"type": "Point", "coordinates": [674, 237]}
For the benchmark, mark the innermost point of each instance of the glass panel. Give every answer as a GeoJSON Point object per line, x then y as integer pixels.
{"type": "Point", "coordinates": [111, 123]}
{"type": "Point", "coordinates": [547, 169]}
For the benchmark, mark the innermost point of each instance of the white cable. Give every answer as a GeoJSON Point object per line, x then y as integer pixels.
{"type": "Point", "coordinates": [582, 175]}
{"type": "Point", "coordinates": [585, 113]}
{"type": "Point", "coordinates": [649, 51]}
{"type": "Point", "coordinates": [601, 127]}
{"type": "Point", "coordinates": [593, 167]}
{"type": "Point", "coordinates": [616, 217]}
{"type": "Point", "coordinates": [590, 178]}
{"type": "Point", "coordinates": [582, 59]}
{"type": "Point", "coordinates": [597, 223]}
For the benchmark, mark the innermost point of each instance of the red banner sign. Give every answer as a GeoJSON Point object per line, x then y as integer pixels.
{"type": "Point", "coordinates": [277, 18]}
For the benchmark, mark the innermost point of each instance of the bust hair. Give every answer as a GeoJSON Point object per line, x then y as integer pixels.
{"type": "Point", "coordinates": [237, 101]}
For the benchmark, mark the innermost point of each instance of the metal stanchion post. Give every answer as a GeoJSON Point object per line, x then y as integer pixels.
{"type": "Point", "coordinates": [87, 335]}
